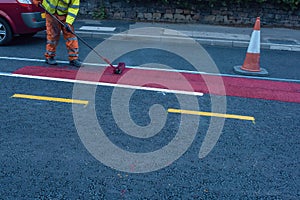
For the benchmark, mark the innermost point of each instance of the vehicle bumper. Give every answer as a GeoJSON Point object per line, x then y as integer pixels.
{"type": "Point", "coordinates": [34, 20]}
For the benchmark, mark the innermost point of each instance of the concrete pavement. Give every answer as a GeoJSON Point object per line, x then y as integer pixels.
{"type": "Point", "coordinates": [271, 38]}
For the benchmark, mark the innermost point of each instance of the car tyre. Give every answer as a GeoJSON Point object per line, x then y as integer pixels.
{"type": "Point", "coordinates": [6, 34]}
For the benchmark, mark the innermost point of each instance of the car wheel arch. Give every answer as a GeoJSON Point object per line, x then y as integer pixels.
{"type": "Point", "coordinates": [8, 20]}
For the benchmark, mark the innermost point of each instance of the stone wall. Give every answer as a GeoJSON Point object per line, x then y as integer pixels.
{"type": "Point", "coordinates": [88, 7]}
{"type": "Point", "coordinates": [234, 15]}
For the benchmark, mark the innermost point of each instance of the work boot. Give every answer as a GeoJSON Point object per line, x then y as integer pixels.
{"type": "Point", "coordinates": [75, 63]}
{"type": "Point", "coordinates": [51, 61]}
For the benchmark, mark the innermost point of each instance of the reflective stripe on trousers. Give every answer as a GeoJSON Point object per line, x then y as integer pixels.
{"type": "Point", "coordinates": [53, 29]}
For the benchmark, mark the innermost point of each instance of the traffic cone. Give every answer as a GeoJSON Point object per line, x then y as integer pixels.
{"type": "Point", "coordinates": [251, 64]}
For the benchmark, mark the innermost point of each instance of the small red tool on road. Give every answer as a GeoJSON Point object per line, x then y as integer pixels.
{"type": "Point", "coordinates": [117, 69]}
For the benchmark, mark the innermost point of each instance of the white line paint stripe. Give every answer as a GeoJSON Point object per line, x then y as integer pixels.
{"type": "Point", "coordinates": [158, 69]}
{"type": "Point", "coordinates": [29, 59]}
{"type": "Point", "coordinates": [280, 47]}
{"type": "Point", "coordinates": [98, 28]}
{"type": "Point", "coordinates": [102, 84]}
{"type": "Point", "coordinates": [40, 60]}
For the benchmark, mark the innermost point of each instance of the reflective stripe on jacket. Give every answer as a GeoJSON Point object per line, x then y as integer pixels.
{"type": "Point", "coordinates": [63, 7]}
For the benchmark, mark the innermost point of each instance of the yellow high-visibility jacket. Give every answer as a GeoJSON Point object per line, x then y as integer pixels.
{"type": "Point", "coordinates": [63, 7]}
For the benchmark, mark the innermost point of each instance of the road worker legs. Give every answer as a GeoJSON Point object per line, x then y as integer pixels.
{"type": "Point", "coordinates": [53, 29]}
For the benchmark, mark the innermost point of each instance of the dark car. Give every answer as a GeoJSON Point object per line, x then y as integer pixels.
{"type": "Point", "coordinates": [19, 17]}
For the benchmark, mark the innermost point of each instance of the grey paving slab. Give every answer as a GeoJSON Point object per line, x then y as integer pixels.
{"type": "Point", "coordinates": [271, 38]}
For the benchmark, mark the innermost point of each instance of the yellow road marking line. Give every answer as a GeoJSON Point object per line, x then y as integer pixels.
{"type": "Point", "coordinates": [45, 98]}
{"type": "Point", "coordinates": [210, 114]}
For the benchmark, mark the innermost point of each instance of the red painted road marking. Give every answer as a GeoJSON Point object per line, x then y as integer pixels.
{"type": "Point", "coordinates": [239, 87]}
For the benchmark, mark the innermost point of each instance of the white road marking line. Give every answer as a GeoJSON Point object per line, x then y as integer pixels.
{"type": "Point", "coordinates": [29, 59]}
{"type": "Point", "coordinates": [98, 28]}
{"type": "Point", "coordinates": [41, 60]}
{"type": "Point", "coordinates": [159, 69]}
{"type": "Point", "coordinates": [103, 84]}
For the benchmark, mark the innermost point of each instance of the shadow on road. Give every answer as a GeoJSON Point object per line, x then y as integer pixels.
{"type": "Point", "coordinates": [25, 40]}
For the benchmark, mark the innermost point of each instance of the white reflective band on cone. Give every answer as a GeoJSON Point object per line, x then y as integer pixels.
{"type": "Point", "coordinates": [254, 46]}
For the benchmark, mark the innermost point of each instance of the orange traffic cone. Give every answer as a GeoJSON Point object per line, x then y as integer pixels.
{"type": "Point", "coordinates": [251, 64]}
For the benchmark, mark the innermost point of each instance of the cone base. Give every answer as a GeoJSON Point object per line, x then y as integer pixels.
{"type": "Point", "coordinates": [239, 70]}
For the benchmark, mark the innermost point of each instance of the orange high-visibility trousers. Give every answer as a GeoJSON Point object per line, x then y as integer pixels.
{"type": "Point", "coordinates": [53, 28]}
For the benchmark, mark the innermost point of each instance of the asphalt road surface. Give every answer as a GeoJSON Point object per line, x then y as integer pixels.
{"type": "Point", "coordinates": [62, 139]}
